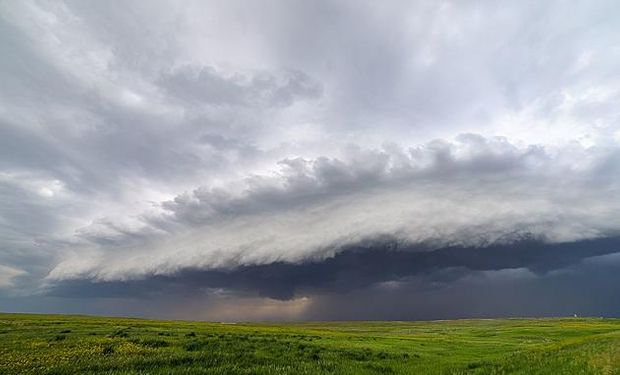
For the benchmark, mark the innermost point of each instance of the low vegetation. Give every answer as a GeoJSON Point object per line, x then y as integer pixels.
{"type": "Point", "coordinates": [58, 344]}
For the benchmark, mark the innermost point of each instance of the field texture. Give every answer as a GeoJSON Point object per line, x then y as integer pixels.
{"type": "Point", "coordinates": [56, 344]}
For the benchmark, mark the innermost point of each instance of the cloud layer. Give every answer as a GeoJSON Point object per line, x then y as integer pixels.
{"type": "Point", "coordinates": [144, 141]}
{"type": "Point", "coordinates": [472, 192]}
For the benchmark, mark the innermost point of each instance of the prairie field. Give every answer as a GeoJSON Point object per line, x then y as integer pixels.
{"type": "Point", "coordinates": [67, 344]}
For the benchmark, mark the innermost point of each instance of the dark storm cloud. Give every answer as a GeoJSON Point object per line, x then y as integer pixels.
{"type": "Point", "coordinates": [583, 289]}
{"type": "Point", "coordinates": [357, 267]}
{"type": "Point", "coordinates": [379, 280]}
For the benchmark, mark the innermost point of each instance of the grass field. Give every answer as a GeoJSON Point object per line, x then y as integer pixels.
{"type": "Point", "coordinates": [60, 344]}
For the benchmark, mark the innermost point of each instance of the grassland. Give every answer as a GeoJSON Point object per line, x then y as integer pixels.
{"type": "Point", "coordinates": [60, 344]}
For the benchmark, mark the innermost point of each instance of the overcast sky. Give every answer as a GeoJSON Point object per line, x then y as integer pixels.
{"type": "Point", "coordinates": [243, 160]}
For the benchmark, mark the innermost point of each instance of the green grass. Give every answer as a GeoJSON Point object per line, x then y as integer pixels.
{"type": "Point", "coordinates": [60, 344]}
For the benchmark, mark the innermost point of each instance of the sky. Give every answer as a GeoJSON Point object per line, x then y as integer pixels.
{"type": "Point", "coordinates": [310, 160]}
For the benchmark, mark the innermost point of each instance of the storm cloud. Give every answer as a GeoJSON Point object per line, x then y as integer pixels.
{"type": "Point", "coordinates": [385, 279]}
{"type": "Point", "coordinates": [293, 156]}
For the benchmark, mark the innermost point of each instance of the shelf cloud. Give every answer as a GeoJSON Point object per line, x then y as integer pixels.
{"type": "Point", "coordinates": [474, 192]}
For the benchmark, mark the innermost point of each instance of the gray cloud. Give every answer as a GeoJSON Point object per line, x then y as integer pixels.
{"type": "Point", "coordinates": [384, 280]}
{"type": "Point", "coordinates": [584, 290]}
{"type": "Point", "coordinates": [360, 266]}
{"type": "Point", "coordinates": [204, 86]}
